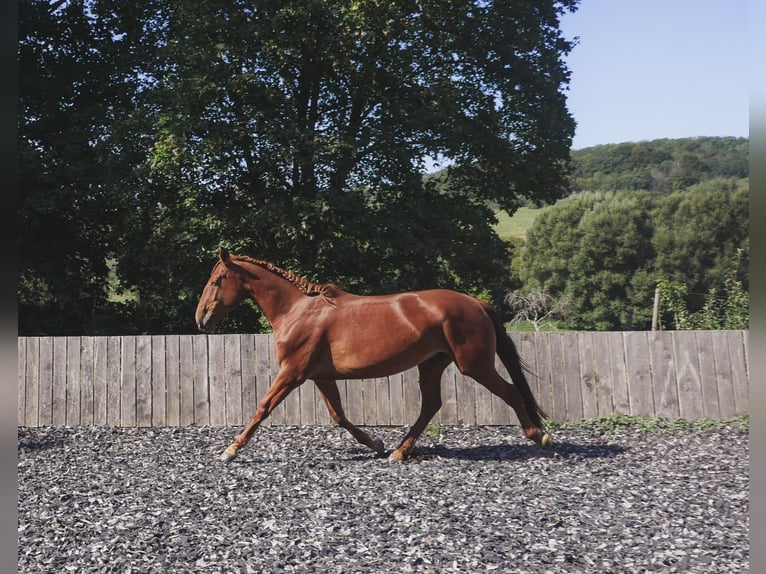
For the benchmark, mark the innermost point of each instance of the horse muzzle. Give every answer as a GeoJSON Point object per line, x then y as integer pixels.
{"type": "Point", "coordinates": [204, 320]}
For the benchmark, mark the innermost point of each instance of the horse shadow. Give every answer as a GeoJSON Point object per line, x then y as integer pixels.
{"type": "Point", "coordinates": [508, 452]}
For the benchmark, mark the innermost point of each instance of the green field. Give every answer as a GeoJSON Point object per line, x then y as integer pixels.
{"type": "Point", "coordinates": [517, 225]}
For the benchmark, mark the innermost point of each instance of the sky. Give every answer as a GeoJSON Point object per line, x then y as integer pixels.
{"type": "Point", "coordinates": [652, 69]}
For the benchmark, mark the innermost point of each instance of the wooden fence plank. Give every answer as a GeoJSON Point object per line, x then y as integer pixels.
{"type": "Point", "coordinates": [217, 379]}
{"type": "Point", "coordinates": [114, 381]}
{"type": "Point", "coordinates": [448, 412]}
{"type": "Point", "coordinates": [558, 410]}
{"type": "Point", "coordinates": [45, 409]}
{"type": "Point", "coordinates": [588, 376]}
{"type": "Point", "coordinates": [249, 390]}
{"type": "Point", "coordinates": [383, 400]}
{"type": "Point", "coordinates": [201, 384]}
{"type": "Point", "coordinates": [292, 408]}
{"type": "Point", "coordinates": [619, 374]}
{"type": "Point", "coordinates": [396, 398]}
{"type": "Point", "coordinates": [723, 377]}
{"type": "Point", "coordinates": [32, 381]}
{"type": "Point", "coordinates": [307, 402]}
{"type": "Point", "coordinates": [465, 393]}
{"type": "Point", "coordinates": [746, 345]}
{"type": "Point", "coordinates": [483, 402]}
{"type": "Point", "coordinates": [159, 381]}
{"type": "Point", "coordinates": [87, 364]}
{"type": "Point", "coordinates": [603, 373]}
{"type": "Point", "coordinates": [708, 375]}
{"type": "Point", "coordinates": [72, 381]}
{"type": "Point", "coordinates": [128, 382]}
{"type": "Point", "coordinates": [573, 390]}
{"type": "Point", "coordinates": [639, 370]}
{"type": "Point", "coordinates": [100, 382]}
{"type": "Point", "coordinates": [21, 381]}
{"type": "Point", "coordinates": [144, 381]}
{"type": "Point", "coordinates": [59, 381]}
{"type": "Point", "coordinates": [233, 385]}
{"type": "Point", "coordinates": [173, 380]}
{"type": "Point", "coordinates": [411, 393]}
{"type": "Point", "coordinates": [369, 401]}
{"type": "Point", "coordinates": [737, 346]}
{"type": "Point", "coordinates": [543, 373]}
{"type": "Point", "coordinates": [186, 372]}
{"type": "Point", "coordinates": [663, 377]}
{"type": "Point", "coordinates": [687, 375]}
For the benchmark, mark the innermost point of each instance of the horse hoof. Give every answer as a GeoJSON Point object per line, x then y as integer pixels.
{"type": "Point", "coordinates": [378, 447]}
{"type": "Point", "coordinates": [396, 456]}
{"type": "Point", "coordinates": [546, 441]}
{"type": "Point", "coordinates": [228, 455]}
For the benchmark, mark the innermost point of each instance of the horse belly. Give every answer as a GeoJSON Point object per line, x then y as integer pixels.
{"type": "Point", "coordinates": [367, 355]}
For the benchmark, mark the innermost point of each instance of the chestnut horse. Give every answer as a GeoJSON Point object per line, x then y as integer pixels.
{"type": "Point", "coordinates": [324, 333]}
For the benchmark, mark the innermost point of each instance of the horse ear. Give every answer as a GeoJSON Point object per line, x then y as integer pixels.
{"type": "Point", "coordinates": [224, 256]}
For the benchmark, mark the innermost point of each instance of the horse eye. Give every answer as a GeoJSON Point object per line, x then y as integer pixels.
{"type": "Point", "coordinates": [216, 282]}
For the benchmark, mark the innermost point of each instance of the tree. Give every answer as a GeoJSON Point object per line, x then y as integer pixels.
{"type": "Point", "coordinates": [552, 242]}
{"type": "Point", "coordinates": [78, 92]}
{"type": "Point", "coordinates": [299, 133]}
{"type": "Point", "coordinates": [594, 249]}
{"type": "Point", "coordinates": [659, 165]}
{"type": "Point", "coordinates": [725, 307]}
{"type": "Point", "coordinates": [606, 251]}
{"type": "Point", "coordinates": [536, 307]}
{"type": "Point", "coordinates": [699, 232]}
{"type": "Point", "coordinates": [610, 283]}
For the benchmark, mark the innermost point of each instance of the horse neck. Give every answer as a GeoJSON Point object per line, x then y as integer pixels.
{"type": "Point", "coordinates": [274, 294]}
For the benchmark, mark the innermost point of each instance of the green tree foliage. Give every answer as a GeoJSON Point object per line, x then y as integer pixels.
{"type": "Point", "coordinates": [78, 93]}
{"type": "Point", "coordinates": [659, 165]}
{"type": "Point", "coordinates": [725, 307]}
{"type": "Point", "coordinates": [292, 131]}
{"type": "Point", "coordinates": [605, 252]}
{"type": "Point", "coordinates": [699, 233]}
{"type": "Point", "coordinates": [594, 249]}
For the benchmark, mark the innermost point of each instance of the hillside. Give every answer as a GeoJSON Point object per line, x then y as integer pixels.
{"type": "Point", "coordinates": [659, 165]}
{"type": "Point", "coordinates": [656, 165]}
{"type": "Point", "coordinates": [516, 226]}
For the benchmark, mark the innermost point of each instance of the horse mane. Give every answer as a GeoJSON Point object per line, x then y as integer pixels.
{"type": "Point", "coordinates": [305, 286]}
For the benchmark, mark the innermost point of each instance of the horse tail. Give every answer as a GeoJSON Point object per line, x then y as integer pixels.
{"type": "Point", "coordinates": [508, 354]}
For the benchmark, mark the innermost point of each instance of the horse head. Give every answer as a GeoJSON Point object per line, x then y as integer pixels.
{"type": "Point", "coordinates": [223, 291]}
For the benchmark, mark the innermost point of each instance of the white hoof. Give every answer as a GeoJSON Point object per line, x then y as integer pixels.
{"type": "Point", "coordinates": [228, 455]}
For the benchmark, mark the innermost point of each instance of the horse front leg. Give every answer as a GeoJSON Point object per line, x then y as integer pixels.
{"type": "Point", "coordinates": [282, 386]}
{"type": "Point", "coordinates": [329, 391]}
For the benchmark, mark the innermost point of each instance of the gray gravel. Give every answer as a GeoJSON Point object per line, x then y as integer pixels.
{"type": "Point", "coordinates": [309, 499]}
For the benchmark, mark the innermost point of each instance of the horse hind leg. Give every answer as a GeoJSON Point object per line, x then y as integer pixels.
{"type": "Point", "coordinates": [329, 391]}
{"type": "Point", "coordinates": [430, 373]}
{"type": "Point", "coordinates": [491, 380]}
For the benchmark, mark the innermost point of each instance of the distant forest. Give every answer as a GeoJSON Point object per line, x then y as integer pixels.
{"type": "Point", "coordinates": [669, 213]}
{"type": "Point", "coordinates": [659, 165]}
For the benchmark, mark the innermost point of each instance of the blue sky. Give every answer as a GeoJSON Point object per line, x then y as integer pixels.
{"type": "Point", "coordinates": [658, 69]}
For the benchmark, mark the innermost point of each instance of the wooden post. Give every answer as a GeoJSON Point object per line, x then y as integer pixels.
{"type": "Point", "coordinates": [656, 310]}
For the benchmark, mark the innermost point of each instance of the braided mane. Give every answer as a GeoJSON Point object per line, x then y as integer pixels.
{"type": "Point", "coordinates": [303, 285]}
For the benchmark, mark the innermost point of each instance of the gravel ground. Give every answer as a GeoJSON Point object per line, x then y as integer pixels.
{"type": "Point", "coordinates": [309, 499]}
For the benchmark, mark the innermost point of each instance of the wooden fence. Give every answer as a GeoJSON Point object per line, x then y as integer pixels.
{"type": "Point", "coordinates": [216, 380]}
